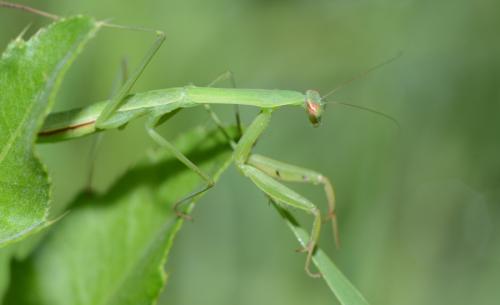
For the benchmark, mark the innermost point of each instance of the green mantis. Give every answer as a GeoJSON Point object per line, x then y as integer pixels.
{"type": "Point", "coordinates": [160, 105]}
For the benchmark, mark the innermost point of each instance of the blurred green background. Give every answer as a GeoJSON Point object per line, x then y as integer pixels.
{"type": "Point", "coordinates": [418, 208]}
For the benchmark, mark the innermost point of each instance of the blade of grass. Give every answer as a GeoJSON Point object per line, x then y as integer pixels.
{"type": "Point", "coordinates": [344, 290]}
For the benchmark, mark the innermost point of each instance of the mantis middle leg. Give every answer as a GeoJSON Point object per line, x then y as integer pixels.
{"type": "Point", "coordinates": [165, 144]}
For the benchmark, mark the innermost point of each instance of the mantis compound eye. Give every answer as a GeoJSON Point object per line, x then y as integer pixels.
{"type": "Point", "coordinates": [314, 107]}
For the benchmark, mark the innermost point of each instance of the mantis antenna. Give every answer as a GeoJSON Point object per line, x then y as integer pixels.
{"type": "Point", "coordinates": [360, 76]}
{"type": "Point", "coordinates": [385, 115]}
{"type": "Point", "coordinates": [363, 74]}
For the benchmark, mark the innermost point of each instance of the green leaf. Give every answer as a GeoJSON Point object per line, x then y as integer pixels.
{"type": "Point", "coordinates": [111, 249]}
{"type": "Point", "coordinates": [4, 271]}
{"type": "Point", "coordinates": [336, 281]}
{"type": "Point", "coordinates": [30, 74]}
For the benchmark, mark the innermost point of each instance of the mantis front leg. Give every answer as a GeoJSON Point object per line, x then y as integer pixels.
{"type": "Point", "coordinates": [274, 189]}
{"type": "Point", "coordinates": [291, 173]}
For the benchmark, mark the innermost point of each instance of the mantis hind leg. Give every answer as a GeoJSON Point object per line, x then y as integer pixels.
{"type": "Point", "coordinates": [278, 192]}
{"type": "Point", "coordinates": [291, 173]}
{"type": "Point", "coordinates": [120, 80]}
{"type": "Point", "coordinates": [119, 98]}
{"type": "Point", "coordinates": [165, 144]}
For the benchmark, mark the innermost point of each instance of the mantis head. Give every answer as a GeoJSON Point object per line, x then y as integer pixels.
{"type": "Point", "coordinates": [314, 107]}
{"type": "Point", "coordinates": [315, 104]}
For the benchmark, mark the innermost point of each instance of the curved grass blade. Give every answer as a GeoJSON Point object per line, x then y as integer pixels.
{"type": "Point", "coordinates": [345, 292]}
{"type": "Point", "coordinates": [111, 248]}
{"type": "Point", "coordinates": [30, 74]}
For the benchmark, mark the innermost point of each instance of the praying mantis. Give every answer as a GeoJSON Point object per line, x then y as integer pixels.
{"type": "Point", "coordinates": [160, 105]}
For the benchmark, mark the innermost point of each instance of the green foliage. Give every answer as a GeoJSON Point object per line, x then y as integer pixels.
{"type": "Point", "coordinates": [419, 212]}
{"type": "Point", "coordinates": [336, 281]}
{"type": "Point", "coordinates": [4, 271]}
{"type": "Point", "coordinates": [111, 248]}
{"type": "Point", "coordinates": [30, 74]}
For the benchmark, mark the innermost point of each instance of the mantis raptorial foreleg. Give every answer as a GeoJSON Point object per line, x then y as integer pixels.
{"type": "Point", "coordinates": [274, 189]}
{"type": "Point", "coordinates": [291, 173]}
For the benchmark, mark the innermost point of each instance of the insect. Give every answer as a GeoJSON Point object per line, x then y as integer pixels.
{"type": "Point", "coordinates": [160, 105]}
